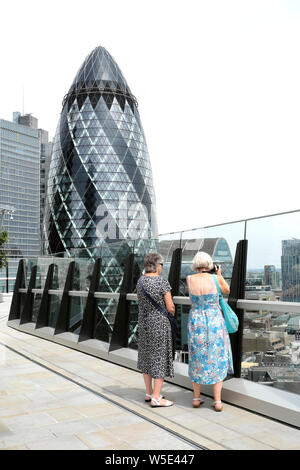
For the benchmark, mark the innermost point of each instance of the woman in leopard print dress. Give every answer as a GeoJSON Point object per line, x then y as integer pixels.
{"type": "Point", "coordinates": [155, 355]}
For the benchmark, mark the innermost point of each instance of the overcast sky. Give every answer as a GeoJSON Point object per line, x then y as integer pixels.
{"type": "Point", "coordinates": [217, 82]}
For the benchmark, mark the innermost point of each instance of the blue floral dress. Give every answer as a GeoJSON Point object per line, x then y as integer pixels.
{"type": "Point", "coordinates": [210, 357]}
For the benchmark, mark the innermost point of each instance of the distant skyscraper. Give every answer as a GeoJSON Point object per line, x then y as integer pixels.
{"type": "Point", "coordinates": [290, 269]}
{"type": "Point", "coordinates": [45, 158]}
{"type": "Point", "coordinates": [100, 180]}
{"type": "Point", "coordinates": [270, 276]}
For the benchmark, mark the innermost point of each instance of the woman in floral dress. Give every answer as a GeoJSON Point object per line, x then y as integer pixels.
{"type": "Point", "coordinates": [210, 357]}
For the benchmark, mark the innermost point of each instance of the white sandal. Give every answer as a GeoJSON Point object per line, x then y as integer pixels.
{"type": "Point", "coordinates": [195, 405]}
{"type": "Point", "coordinates": [218, 403]}
{"type": "Point", "coordinates": [149, 398]}
{"type": "Point", "coordinates": [157, 405]}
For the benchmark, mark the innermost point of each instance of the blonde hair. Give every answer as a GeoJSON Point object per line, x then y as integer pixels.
{"type": "Point", "coordinates": [202, 260]}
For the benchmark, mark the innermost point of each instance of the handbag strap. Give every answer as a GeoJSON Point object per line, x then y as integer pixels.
{"type": "Point", "coordinates": [156, 305]}
{"type": "Point", "coordinates": [217, 284]}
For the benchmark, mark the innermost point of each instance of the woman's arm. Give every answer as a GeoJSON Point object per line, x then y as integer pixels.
{"type": "Point", "coordinates": [169, 303]}
{"type": "Point", "coordinates": [224, 287]}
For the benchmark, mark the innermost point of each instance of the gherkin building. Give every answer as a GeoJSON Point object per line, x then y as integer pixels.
{"type": "Point", "coordinates": [100, 186]}
{"type": "Point", "coordinates": [100, 199]}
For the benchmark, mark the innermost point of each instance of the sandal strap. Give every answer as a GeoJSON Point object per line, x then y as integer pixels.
{"type": "Point", "coordinates": [168, 402]}
{"type": "Point", "coordinates": [197, 399]}
{"type": "Point", "coordinates": [156, 401]}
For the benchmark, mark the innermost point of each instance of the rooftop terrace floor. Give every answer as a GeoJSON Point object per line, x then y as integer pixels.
{"type": "Point", "coordinates": [56, 398]}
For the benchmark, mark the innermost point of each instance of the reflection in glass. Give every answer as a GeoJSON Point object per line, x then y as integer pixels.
{"type": "Point", "coordinates": [105, 319]}
{"type": "Point", "coordinates": [61, 266]}
{"type": "Point", "coordinates": [54, 305]}
{"type": "Point", "coordinates": [77, 306]}
{"type": "Point", "coordinates": [133, 325]}
{"type": "Point", "coordinates": [36, 307]}
{"type": "Point", "coordinates": [29, 264]}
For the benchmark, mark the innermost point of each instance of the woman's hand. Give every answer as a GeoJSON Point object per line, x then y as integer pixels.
{"type": "Point", "coordinates": [225, 289]}
{"type": "Point", "coordinates": [169, 303]}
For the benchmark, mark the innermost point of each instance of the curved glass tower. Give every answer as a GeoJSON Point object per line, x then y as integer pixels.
{"type": "Point", "coordinates": [100, 184]}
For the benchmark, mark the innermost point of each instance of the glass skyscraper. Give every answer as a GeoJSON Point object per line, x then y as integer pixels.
{"type": "Point", "coordinates": [20, 187]}
{"type": "Point", "coordinates": [100, 184]}
{"type": "Point", "coordinates": [19, 194]}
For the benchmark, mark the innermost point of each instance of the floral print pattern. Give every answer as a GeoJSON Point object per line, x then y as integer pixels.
{"type": "Point", "coordinates": [210, 357]}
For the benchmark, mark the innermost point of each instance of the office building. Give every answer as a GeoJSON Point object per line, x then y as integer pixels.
{"type": "Point", "coordinates": [100, 184]}
{"type": "Point", "coordinates": [270, 275]}
{"type": "Point", "coordinates": [290, 268]}
{"type": "Point", "coordinates": [19, 193]}
{"type": "Point", "coordinates": [20, 186]}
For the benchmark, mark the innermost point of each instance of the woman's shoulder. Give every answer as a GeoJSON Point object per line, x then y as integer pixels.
{"type": "Point", "coordinates": [155, 279]}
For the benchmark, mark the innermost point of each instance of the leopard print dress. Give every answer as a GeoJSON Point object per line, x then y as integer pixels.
{"type": "Point", "coordinates": [155, 356]}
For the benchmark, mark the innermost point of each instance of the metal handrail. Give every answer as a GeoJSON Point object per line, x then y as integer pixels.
{"type": "Point", "coordinates": [268, 305]}
{"type": "Point", "coordinates": [244, 304]}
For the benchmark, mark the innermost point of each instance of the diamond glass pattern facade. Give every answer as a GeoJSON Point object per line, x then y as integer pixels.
{"type": "Point", "coordinates": [100, 180]}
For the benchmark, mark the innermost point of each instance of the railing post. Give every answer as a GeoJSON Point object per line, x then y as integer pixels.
{"type": "Point", "coordinates": [175, 270]}
{"type": "Point", "coordinates": [63, 314]}
{"type": "Point", "coordinates": [26, 314]}
{"type": "Point", "coordinates": [15, 307]}
{"type": "Point", "coordinates": [7, 285]}
{"type": "Point", "coordinates": [87, 329]}
{"type": "Point", "coordinates": [174, 280]}
{"type": "Point", "coordinates": [237, 291]}
{"type": "Point", "coordinates": [120, 332]}
{"type": "Point", "coordinates": [43, 314]}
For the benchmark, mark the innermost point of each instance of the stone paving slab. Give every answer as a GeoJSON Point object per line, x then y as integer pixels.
{"type": "Point", "coordinates": [67, 415]}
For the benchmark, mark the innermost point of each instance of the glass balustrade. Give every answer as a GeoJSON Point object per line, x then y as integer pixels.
{"type": "Point", "coordinates": [271, 335]}
{"type": "Point", "coordinates": [271, 338]}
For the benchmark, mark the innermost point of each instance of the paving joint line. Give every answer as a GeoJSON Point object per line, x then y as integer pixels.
{"type": "Point", "coordinates": [128, 409]}
{"type": "Point", "coordinates": [165, 418]}
{"type": "Point", "coordinates": [101, 395]}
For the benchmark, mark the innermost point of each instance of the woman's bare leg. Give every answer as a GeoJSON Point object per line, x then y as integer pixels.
{"type": "Point", "coordinates": [158, 383]}
{"type": "Point", "coordinates": [196, 388]}
{"type": "Point", "coordinates": [148, 383]}
{"type": "Point", "coordinates": [217, 389]}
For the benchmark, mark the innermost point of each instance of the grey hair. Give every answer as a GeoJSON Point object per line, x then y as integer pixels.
{"type": "Point", "coordinates": [151, 261]}
{"type": "Point", "coordinates": [202, 260]}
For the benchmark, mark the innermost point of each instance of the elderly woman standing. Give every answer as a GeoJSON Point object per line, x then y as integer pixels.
{"type": "Point", "coordinates": [210, 357]}
{"type": "Point", "coordinates": [155, 356]}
